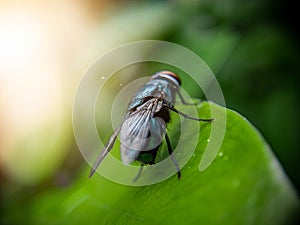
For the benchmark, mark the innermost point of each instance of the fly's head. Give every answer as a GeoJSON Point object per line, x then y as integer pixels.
{"type": "Point", "coordinates": [169, 76]}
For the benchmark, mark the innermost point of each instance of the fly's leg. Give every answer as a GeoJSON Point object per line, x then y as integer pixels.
{"type": "Point", "coordinates": [170, 106]}
{"type": "Point", "coordinates": [187, 103]}
{"type": "Point", "coordinates": [139, 173]}
{"type": "Point", "coordinates": [105, 151]}
{"type": "Point", "coordinates": [170, 150]}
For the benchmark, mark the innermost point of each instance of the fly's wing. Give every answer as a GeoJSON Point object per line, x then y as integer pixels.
{"type": "Point", "coordinates": [140, 132]}
{"type": "Point", "coordinates": [133, 135]}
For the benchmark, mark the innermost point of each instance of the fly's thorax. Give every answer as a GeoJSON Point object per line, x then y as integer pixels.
{"type": "Point", "coordinates": [155, 88]}
{"type": "Point", "coordinates": [166, 90]}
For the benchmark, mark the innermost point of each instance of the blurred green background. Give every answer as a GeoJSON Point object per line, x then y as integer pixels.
{"type": "Point", "coordinates": [45, 47]}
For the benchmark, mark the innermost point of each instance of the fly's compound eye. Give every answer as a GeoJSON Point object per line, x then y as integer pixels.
{"type": "Point", "coordinates": [169, 75]}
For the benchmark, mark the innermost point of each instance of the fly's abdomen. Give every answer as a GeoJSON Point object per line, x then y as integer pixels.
{"type": "Point", "coordinates": [148, 157]}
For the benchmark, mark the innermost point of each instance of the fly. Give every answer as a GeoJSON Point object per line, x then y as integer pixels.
{"type": "Point", "coordinates": [144, 124]}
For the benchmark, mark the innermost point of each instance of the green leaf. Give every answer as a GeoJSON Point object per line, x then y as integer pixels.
{"type": "Point", "coordinates": [244, 185]}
